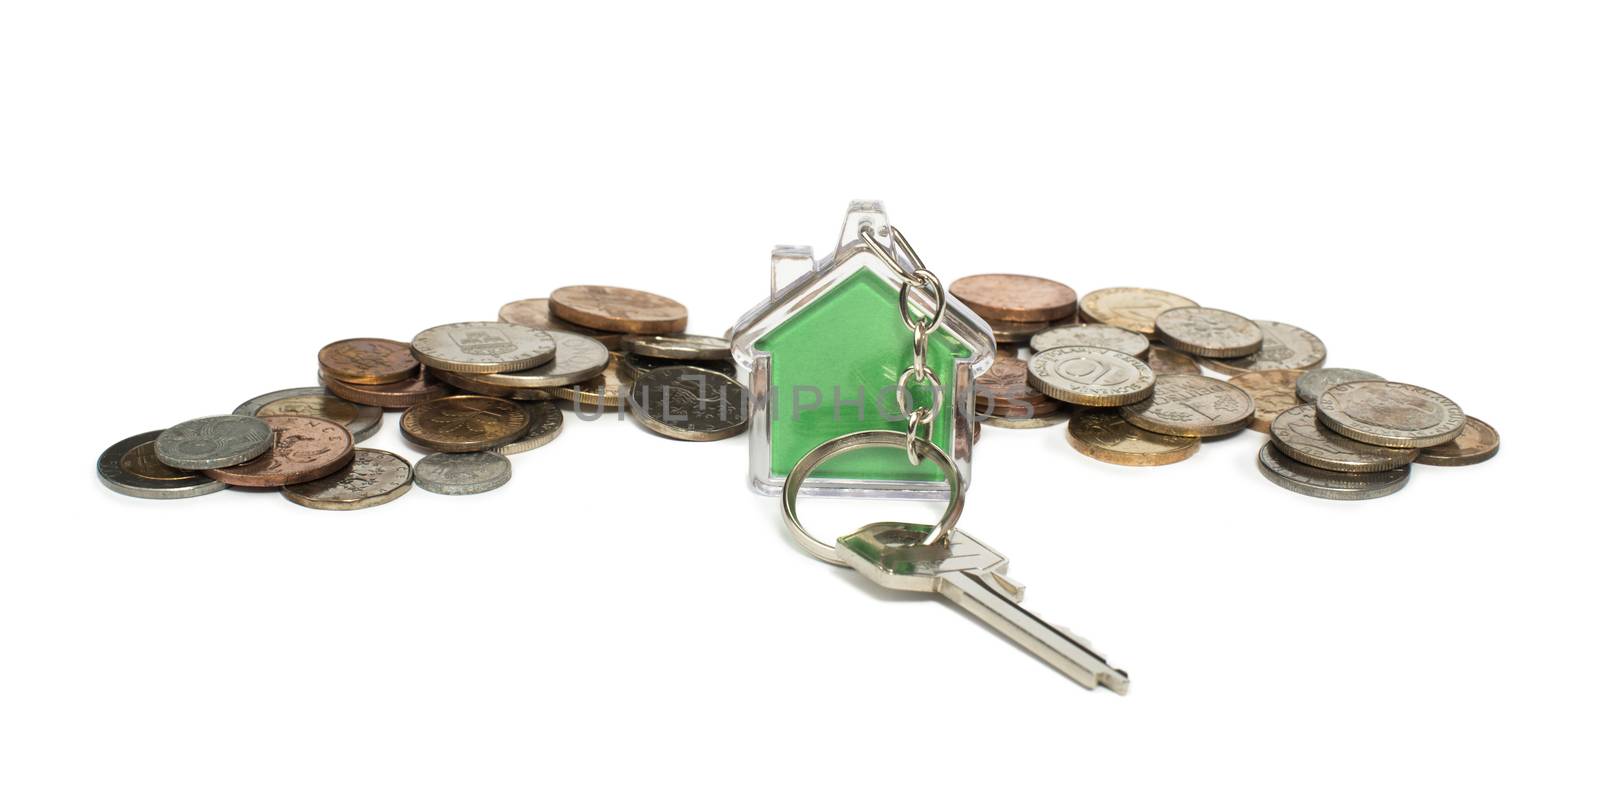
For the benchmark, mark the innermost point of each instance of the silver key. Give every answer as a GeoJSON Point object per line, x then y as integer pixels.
{"type": "Point", "coordinates": [972, 576]}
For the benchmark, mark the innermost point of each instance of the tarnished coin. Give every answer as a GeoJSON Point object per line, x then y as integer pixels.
{"type": "Point", "coordinates": [463, 474]}
{"type": "Point", "coordinates": [368, 361]}
{"type": "Point", "coordinates": [1102, 336]}
{"type": "Point", "coordinates": [1090, 376]}
{"type": "Point", "coordinates": [372, 478]}
{"type": "Point", "coordinates": [214, 442]}
{"type": "Point", "coordinates": [688, 403]}
{"type": "Point", "coordinates": [465, 423]}
{"type": "Point", "coordinates": [578, 357]}
{"type": "Point", "coordinates": [630, 365]}
{"type": "Point", "coordinates": [1030, 422]}
{"type": "Point", "coordinates": [393, 396]}
{"type": "Point", "coordinates": [1133, 309]}
{"type": "Point", "coordinates": [1208, 332]}
{"type": "Point", "coordinates": [1107, 436]}
{"type": "Point", "coordinates": [302, 449]}
{"type": "Point", "coordinates": [1016, 331]}
{"type": "Point", "coordinates": [1015, 297]}
{"type": "Point", "coordinates": [678, 347]}
{"type": "Point", "coordinates": [619, 309]}
{"type": "Point", "coordinates": [1315, 382]}
{"type": "Point", "coordinates": [601, 392]}
{"type": "Point", "coordinates": [546, 426]}
{"type": "Point", "coordinates": [1477, 442]}
{"type": "Point", "coordinates": [536, 313]}
{"type": "Point", "coordinates": [470, 383]}
{"type": "Point", "coordinates": [1004, 390]}
{"type": "Point", "coordinates": [1299, 434]}
{"type": "Point", "coordinates": [1164, 360]}
{"type": "Point", "coordinates": [1318, 483]}
{"type": "Point", "coordinates": [130, 467]}
{"type": "Point", "coordinates": [1272, 392]}
{"type": "Point", "coordinates": [1283, 347]}
{"type": "Point", "coordinates": [317, 402]}
{"type": "Point", "coordinates": [483, 347]}
{"type": "Point", "coordinates": [1390, 414]}
{"type": "Point", "coordinates": [1192, 406]}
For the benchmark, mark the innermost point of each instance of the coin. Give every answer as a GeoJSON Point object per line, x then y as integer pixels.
{"type": "Point", "coordinates": [1016, 331]}
{"type": "Point", "coordinates": [1477, 442]}
{"type": "Point", "coordinates": [213, 442]}
{"type": "Point", "coordinates": [1298, 434]}
{"type": "Point", "coordinates": [1033, 422]}
{"type": "Point", "coordinates": [470, 383]}
{"type": "Point", "coordinates": [631, 365]}
{"type": "Point", "coordinates": [601, 392]}
{"type": "Point", "coordinates": [368, 361]}
{"type": "Point", "coordinates": [393, 396]}
{"type": "Point", "coordinates": [483, 347]}
{"type": "Point", "coordinates": [678, 347]}
{"type": "Point", "coordinates": [688, 403]}
{"type": "Point", "coordinates": [463, 474]}
{"type": "Point", "coordinates": [1390, 414]}
{"type": "Point", "coordinates": [1107, 436]}
{"type": "Point", "coordinates": [1133, 309]}
{"type": "Point", "coordinates": [1208, 332]}
{"type": "Point", "coordinates": [1103, 336]}
{"type": "Point", "coordinates": [465, 423]}
{"type": "Point", "coordinates": [1315, 382]}
{"type": "Point", "coordinates": [1090, 376]}
{"type": "Point", "coordinates": [1283, 347]}
{"type": "Point", "coordinates": [546, 426]}
{"type": "Point", "coordinates": [1164, 360]}
{"type": "Point", "coordinates": [1272, 392]}
{"type": "Point", "coordinates": [1318, 483]}
{"type": "Point", "coordinates": [316, 402]}
{"type": "Point", "coordinates": [578, 357]}
{"type": "Point", "coordinates": [1004, 390]}
{"type": "Point", "coordinates": [1015, 297]}
{"type": "Point", "coordinates": [618, 309]}
{"type": "Point", "coordinates": [1192, 406]}
{"type": "Point", "coordinates": [372, 478]}
{"type": "Point", "coordinates": [303, 449]}
{"type": "Point", "coordinates": [130, 467]}
{"type": "Point", "coordinates": [536, 313]}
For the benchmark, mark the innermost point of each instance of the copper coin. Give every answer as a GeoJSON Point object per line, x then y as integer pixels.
{"type": "Point", "coordinates": [1272, 391]}
{"type": "Point", "coordinates": [394, 396]}
{"type": "Point", "coordinates": [1166, 360]}
{"type": "Point", "coordinates": [1015, 297]}
{"type": "Point", "coordinates": [536, 313]}
{"type": "Point", "coordinates": [1477, 442]}
{"type": "Point", "coordinates": [303, 449]}
{"type": "Point", "coordinates": [1003, 390]}
{"type": "Point", "coordinates": [368, 361]}
{"type": "Point", "coordinates": [618, 309]}
{"type": "Point", "coordinates": [1133, 309]}
{"type": "Point", "coordinates": [1107, 436]}
{"type": "Point", "coordinates": [465, 423]}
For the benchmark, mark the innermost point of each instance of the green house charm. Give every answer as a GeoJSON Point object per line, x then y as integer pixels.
{"type": "Point", "coordinates": [821, 357]}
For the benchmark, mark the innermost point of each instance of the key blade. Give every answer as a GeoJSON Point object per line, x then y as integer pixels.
{"type": "Point", "coordinates": [972, 591]}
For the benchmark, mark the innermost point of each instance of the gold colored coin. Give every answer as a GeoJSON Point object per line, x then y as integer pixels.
{"type": "Point", "coordinates": [1272, 391]}
{"type": "Point", "coordinates": [1477, 442]}
{"type": "Point", "coordinates": [1133, 309]}
{"type": "Point", "coordinates": [1107, 436]}
{"type": "Point", "coordinates": [465, 423]}
{"type": "Point", "coordinates": [1016, 331]}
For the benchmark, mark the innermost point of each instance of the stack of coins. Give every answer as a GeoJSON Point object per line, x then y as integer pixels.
{"type": "Point", "coordinates": [1017, 307]}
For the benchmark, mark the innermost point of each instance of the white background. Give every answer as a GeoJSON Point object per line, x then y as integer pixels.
{"type": "Point", "coordinates": [198, 196]}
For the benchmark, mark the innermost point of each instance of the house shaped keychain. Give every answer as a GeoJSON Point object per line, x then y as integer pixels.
{"type": "Point", "coordinates": [826, 354]}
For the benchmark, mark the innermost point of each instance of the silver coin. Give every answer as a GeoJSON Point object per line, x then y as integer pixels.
{"type": "Point", "coordinates": [547, 422]}
{"type": "Point", "coordinates": [1297, 433]}
{"type": "Point", "coordinates": [371, 479]}
{"type": "Point", "coordinates": [1284, 347]}
{"type": "Point", "coordinates": [316, 402]}
{"type": "Point", "coordinates": [1318, 483]}
{"type": "Point", "coordinates": [678, 347]}
{"type": "Point", "coordinates": [483, 347]}
{"type": "Point", "coordinates": [1185, 405]}
{"type": "Point", "coordinates": [130, 467]}
{"type": "Point", "coordinates": [1039, 421]}
{"type": "Point", "coordinates": [1312, 384]}
{"type": "Point", "coordinates": [578, 357]}
{"type": "Point", "coordinates": [470, 383]}
{"type": "Point", "coordinates": [1208, 332]}
{"type": "Point", "coordinates": [1391, 414]}
{"type": "Point", "coordinates": [462, 474]}
{"type": "Point", "coordinates": [631, 365]}
{"type": "Point", "coordinates": [218, 441]}
{"type": "Point", "coordinates": [1090, 376]}
{"type": "Point", "coordinates": [1103, 336]}
{"type": "Point", "coordinates": [688, 403]}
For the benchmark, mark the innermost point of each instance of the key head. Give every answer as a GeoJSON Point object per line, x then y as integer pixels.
{"type": "Point", "coordinates": [890, 554]}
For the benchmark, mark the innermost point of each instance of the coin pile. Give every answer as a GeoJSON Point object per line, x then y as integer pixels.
{"type": "Point", "coordinates": [1129, 382]}
{"type": "Point", "coordinates": [471, 392]}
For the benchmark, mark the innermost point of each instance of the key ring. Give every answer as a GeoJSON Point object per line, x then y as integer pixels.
{"type": "Point", "coordinates": [851, 442]}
